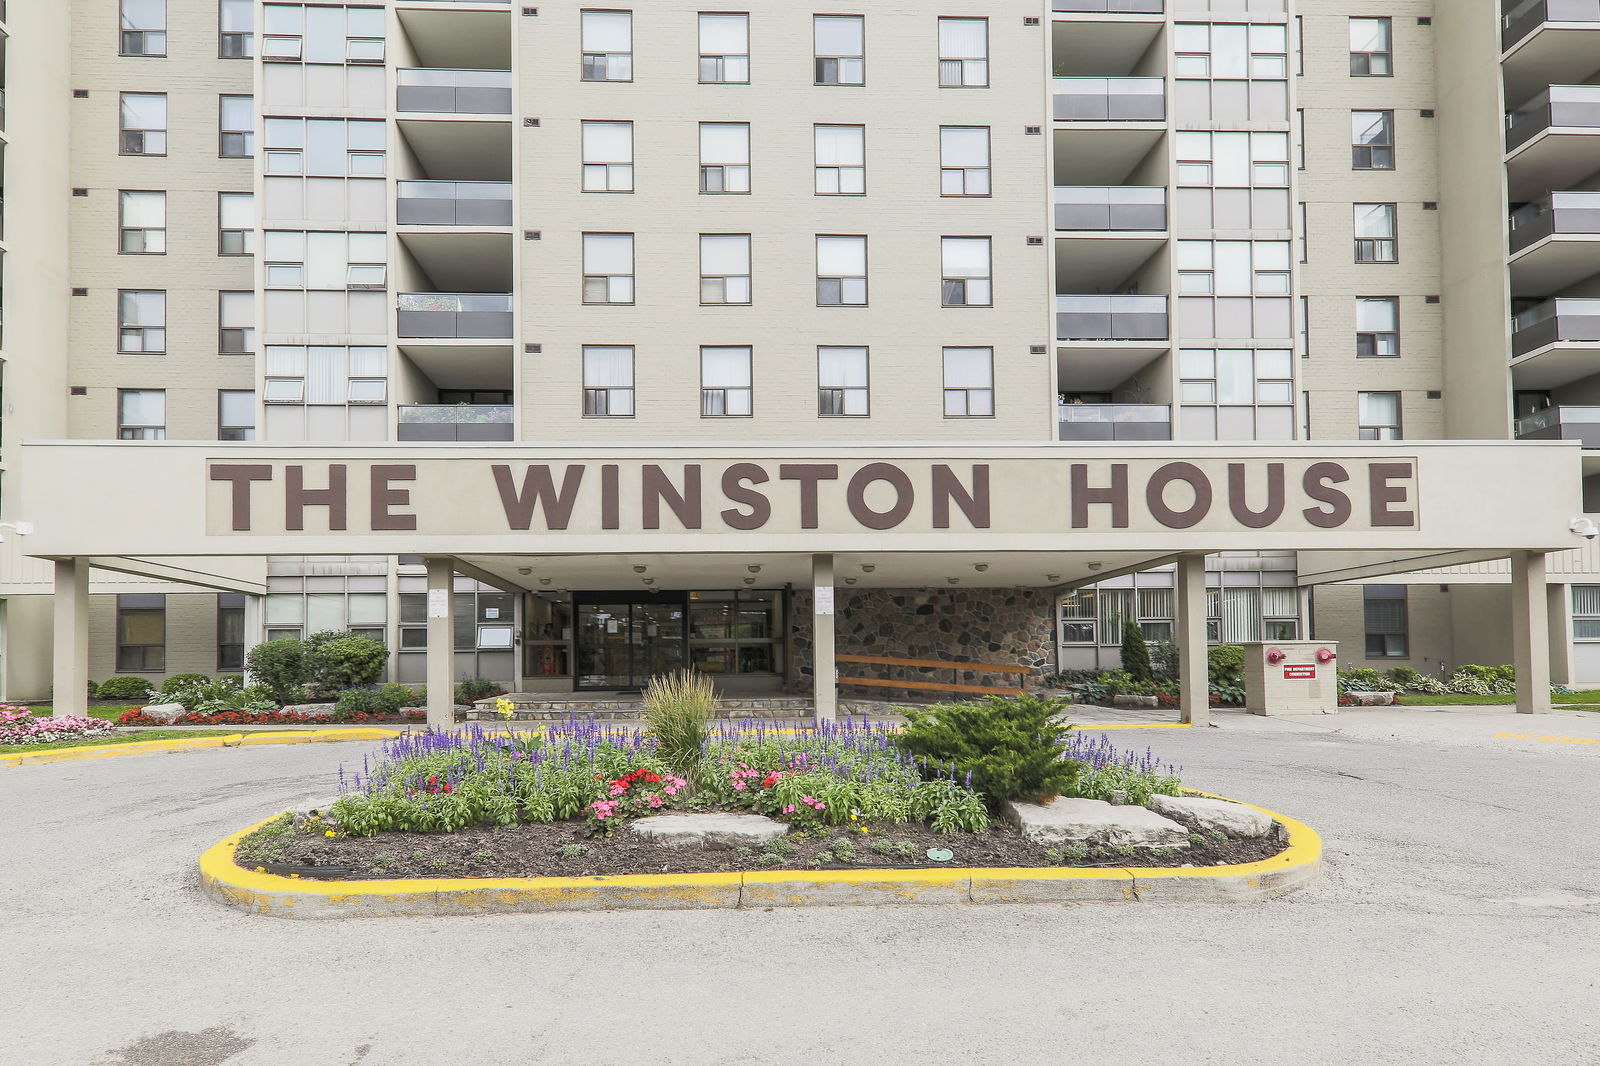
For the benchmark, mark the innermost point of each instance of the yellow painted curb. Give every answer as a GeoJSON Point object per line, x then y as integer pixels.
{"type": "Point", "coordinates": [234, 740]}
{"type": "Point", "coordinates": [226, 881]}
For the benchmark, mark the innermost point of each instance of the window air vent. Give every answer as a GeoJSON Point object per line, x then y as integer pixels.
{"type": "Point", "coordinates": [1430, 205]}
{"type": "Point", "coordinates": [1427, 112]}
{"type": "Point", "coordinates": [1035, 242]}
{"type": "Point", "coordinates": [1435, 394]}
{"type": "Point", "coordinates": [530, 122]}
{"type": "Point", "coordinates": [1033, 131]}
{"type": "Point", "coordinates": [1030, 20]}
{"type": "Point", "coordinates": [1430, 299]}
{"type": "Point", "coordinates": [1424, 20]}
{"type": "Point", "coordinates": [80, 292]}
{"type": "Point", "coordinates": [1037, 349]}
{"type": "Point", "coordinates": [80, 192]}
{"type": "Point", "coordinates": [533, 349]}
{"type": "Point", "coordinates": [530, 12]}
{"type": "Point", "coordinates": [80, 94]}
{"type": "Point", "coordinates": [532, 235]}
{"type": "Point", "coordinates": [78, 390]}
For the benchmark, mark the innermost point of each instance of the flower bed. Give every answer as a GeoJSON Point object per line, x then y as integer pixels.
{"type": "Point", "coordinates": [136, 716]}
{"type": "Point", "coordinates": [473, 803]}
{"type": "Point", "coordinates": [18, 726]}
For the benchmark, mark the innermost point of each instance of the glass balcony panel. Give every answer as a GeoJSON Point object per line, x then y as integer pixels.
{"type": "Point", "coordinates": [1110, 99]}
{"type": "Point", "coordinates": [453, 203]}
{"type": "Point", "coordinates": [1093, 207]}
{"type": "Point", "coordinates": [1563, 212]}
{"type": "Point", "coordinates": [1109, 7]}
{"type": "Point", "coordinates": [1111, 318]}
{"type": "Point", "coordinates": [1522, 18]}
{"type": "Point", "coordinates": [461, 316]}
{"type": "Point", "coordinates": [464, 92]}
{"type": "Point", "coordinates": [1555, 322]}
{"type": "Point", "coordinates": [1114, 421]}
{"type": "Point", "coordinates": [1560, 105]}
{"type": "Point", "coordinates": [457, 421]}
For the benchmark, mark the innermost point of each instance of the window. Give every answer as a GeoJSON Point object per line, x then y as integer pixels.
{"type": "Point", "coordinates": [236, 126]}
{"type": "Point", "coordinates": [142, 633]}
{"type": "Point", "coordinates": [1586, 612]}
{"type": "Point", "coordinates": [840, 42]}
{"type": "Point", "coordinates": [326, 374]}
{"type": "Point", "coordinates": [236, 414]}
{"type": "Point", "coordinates": [1303, 329]}
{"type": "Point", "coordinates": [236, 223]}
{"type": "Point", "coordinates": [235, 23]}
{"type": "Point", "coordinates": [724, 157]}
{"type": "Point", "coordinates": [724, 49]}
{"type": "Point", "coordinates": [608, 268]}
{"type": "Point", "coordinates": [841, 160]}
{"type": "Point", "coordinates": [1379, 415]}
{"type": "Point", "coordinates": [363, 611]}
{"type": "Point", "coordinates": [725, 381]}
{"type": "Point", "coordinates": [1375, 233]}
{"type": "Point", "coordinates": [608, 157]}
{"type": "Point", "coordinates": [144, 27]}
{"type": "Point", "coordinates": [842, 270]}
{"type": "Point", "coordinates": [1372, 140]}
{"type": "Point", "coordinates": [322, 34]}
{"type": "Point", "coordinates": [325, 147]}
{"type": "Point", "coordinates": [141, 414]}
{"type": "Point", "coordinates": [144, 124]}
{"type": "Point", "coordinates": [1233, 268]}
{"type": "Point", "coordinates": [841, 381]}
{"type": "Point", "coordinates": [964, 160]}
{"type": "Point", "coordinates": [1233, 160]}
{"type": "Point", "coordinates": [1377, 325]}
{"type": "Point", "coordinates": [724, 268]}
{"type": "Point", "coordinates": [1237, 394]}
{"type": "Point", "coordinates": [142, 321]}
{"type": "Point", "coordinates": [230, 631]}
{"type": "Point", "coordinates": [963, 53]}
{"type": "Point", "coordinates": [1302, 246]}
{"type": "Point", "coordinates": [607, 380]}
{"type": "Point", "coordinates": [236, 323]}
{"type": "Point", "coordinates": [608, 46]}
{"type": "Point", "coordinates": [142, 227]}
{"type": "Point", "coordinates": [968, 278]}
{"type": "Point", "coordinates": [1370, 49]}
{"type": "Point", "coordinates": [736, 632]}
{"type": "Point", "coordinates": [1078, 617]}
{"type": "Point", "coordinates": [325, 260]}
{"type": "Point", "coordinates": [968, 382]}
{"type": "Point", "coordinates": [1385, 609]}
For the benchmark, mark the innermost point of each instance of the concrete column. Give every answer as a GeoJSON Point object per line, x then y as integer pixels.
{"type": "Point", "coordinates": [1560, 623]}
{"type": "Point", "coordinates": [71, 603]}
{"type": "Point", "coordinates": [1194, 682]}
{"type": "Point", "coordinates": [253, 631]}
{"type": "Point", "coordinates": [825, 690]}
{"type": "Point", "coordinates": [441, 643]}
{"type": "Point", "coordinates": [1530, 632]}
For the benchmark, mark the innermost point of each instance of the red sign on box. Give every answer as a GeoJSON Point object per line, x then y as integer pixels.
{"type": "Point", "coordinates": [1300, 671]}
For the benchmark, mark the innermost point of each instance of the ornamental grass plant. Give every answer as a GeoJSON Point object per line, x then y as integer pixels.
{"type": "Point", "coordinates": [677, 716]}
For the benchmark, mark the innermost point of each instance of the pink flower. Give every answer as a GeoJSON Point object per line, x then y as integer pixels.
{"type": "Point", "coordinates": [671, 790]}
{"type": "Point", "coordinates": [822, 806]}
{"type": "Point", "coordinates": [655, 801]}
{"type": "Point", "coordinates": [789, 809]}
{"type": "Point", "coordinates": [807, 800]}
{"type": "Point", "coordinates": [739, 785]}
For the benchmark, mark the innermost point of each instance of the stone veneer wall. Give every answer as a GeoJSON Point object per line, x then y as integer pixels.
{"type": "Point", "coordinates": [1010, 626]}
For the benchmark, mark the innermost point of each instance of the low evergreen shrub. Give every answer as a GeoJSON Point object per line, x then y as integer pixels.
{"type": "Point", "coordinates": [1004, 747]}
{"type": "Point", "coordinates": [123, 688]}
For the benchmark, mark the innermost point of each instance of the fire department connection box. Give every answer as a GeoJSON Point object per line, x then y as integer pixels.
{"type": "Point", "coordinates": [1291, 677]}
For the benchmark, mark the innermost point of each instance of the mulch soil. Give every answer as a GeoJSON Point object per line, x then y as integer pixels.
{"type": "Point", "coordinates": [535, 851]}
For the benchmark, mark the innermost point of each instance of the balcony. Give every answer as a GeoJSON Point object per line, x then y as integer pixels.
{"type": "Point", "coordinates": [435, 90]}
{"type": "Point", "coordinates": [1111, 318]}
{"type": "Point", "coordinates": [1110, 99]}
{"type": "Point", "coordinates": [1562, 423]}
{"type": "Point", "coordinates": [1108, 7]}
{"type": "Point", "coordinates": [1557, 18]}
{"type": "Point", "coordinates": [454, 315]}
{"type": "Point", "coordinates": [456, 421]}
{"type": "Point", "coordinates": [453, 203]}
{"type": "Point", "coordinates": [1114, 421]}
{"type": "Point", "coordinates": [1553, 141]}
{"type": "Point", "coordinates": [1100, 208]}
{"type": "Point", "coordinates": [1555, 243]}
{"type": "Point", "coordinates": [1555, 343]}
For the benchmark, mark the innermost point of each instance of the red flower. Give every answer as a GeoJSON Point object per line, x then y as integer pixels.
{"type": "Point", "coordinates": [770, 780]}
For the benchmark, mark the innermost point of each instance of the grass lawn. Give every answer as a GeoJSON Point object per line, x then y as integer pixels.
{"type": "Point", "coordinates": [1451, 699]}
{"type": "Point", "coordinates": [132, 738]}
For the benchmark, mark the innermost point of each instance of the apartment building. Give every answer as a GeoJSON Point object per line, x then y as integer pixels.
{"type": "Point", "coordinates": [469, 228]}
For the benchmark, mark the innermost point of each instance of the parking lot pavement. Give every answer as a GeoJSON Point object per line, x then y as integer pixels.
{"type": "Point", "coordinates": [1458, 923]}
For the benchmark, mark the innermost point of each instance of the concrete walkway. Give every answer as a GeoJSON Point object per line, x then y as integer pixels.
{"type": "Point", "coordinates": [1458, 925]}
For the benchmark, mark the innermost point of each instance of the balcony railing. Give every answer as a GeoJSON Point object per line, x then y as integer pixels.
{"type": "Point", "coordinates": [457, 315]}
{"type": "Point", "coordinates": [1111, 318]}
{"type": "Point", "coordinates": [1555, 322]}
{"type": "Point", "coordinates": [1559, 105]}
{"type": "Point", "coordinates": [454, 203]}
{"type": "Point", "coordinates": [1110, 99]}
{"type": "Point", "coordinates": [1109, 7]}
{"type": "Point", "coordinates": [462, 92]}
{"type": "Point", "coordinates": [1115, 421]}
{"type": "Point", "coordinates": [456, 421]}
{"type": "Point", "coordinates": [1521, 19]}
{"type": "Point", "coordinates": [1096, 207]}
{"type": "Point", "coordinates": [1562, 423]}
{"type": "Point", "coordinates": [1562, 212]}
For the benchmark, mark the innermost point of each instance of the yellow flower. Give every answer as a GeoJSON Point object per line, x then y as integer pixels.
{"type": "Point", "coordinates": [330, 833]}
{"type": "Point", "coordinates": [853, 818]}
{"type": "Point", "coordinates": [863, 829]}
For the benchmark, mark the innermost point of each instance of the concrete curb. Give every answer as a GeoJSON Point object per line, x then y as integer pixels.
{"type": "Point", "coordinates": [233, 740]}
{"type": "Point", "coordinates": [224, 880]}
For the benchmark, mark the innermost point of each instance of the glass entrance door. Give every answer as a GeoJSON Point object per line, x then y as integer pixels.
{"type": "Point", "coordinates": [624, 641]}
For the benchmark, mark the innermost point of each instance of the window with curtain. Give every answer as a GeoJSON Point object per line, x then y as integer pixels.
{"type": "Point", "coordinates": [1156, 613]}
{"type": "Point", "coordinates": [1370, 48]}
{"type": "Point", "coordinates": [608, 157]}
{"type": "Point", "coordinates": [724, 157]}
{"type": "Point", "coordinates": [236, 223]}
{"type": "Point", "coordinates": [236, 126]}
{"type": "Point", "coordinates": [142, 321]}
{"type": "Point", "coordinates": [724, 48]}
{"type": "Point", "coordinates": [840, 43]}
{"type": "Point", "coordinates": [607, 380]}
{"type": "Point", "coordinates": [144, 124]}
{"type": "Point", "coordinates": [1116, 606]}
{"type": "Point", "coordinates": [1379, 415]}
{"type": "Point", "coordinates": [236, 323]}
{"type": "Point", "coordinates": [724, 268]}
{"type": "Point", "coordinates": [1078, 617]}
{"type": "Point", "coordinates": [841, 270]}
{"type": "Point", "coordinates": [1280, 608]}
{"type": "Point", "coordinates": [1372, 140]}
{"type": "Point", "coordinates": [841, 160]}
{"type": "Point", "coordinates": [144, 27]}
{"type": "Point", "coordinates": [607, 46]}
{"type": "Point", "coordinates": [1586, 612]}
{"type": "Point", "coordinates": [230, 631]}
{"type": "Point", "coordinates": [964, 161]}
{"type": "Point", "coordinates": [963, 53]}
{"type": "Point", "coordinates": [1375, 233]}
{"type": "Point", "coordinates": [143, 229]}
{"type": "Point", "coordinates": [141, 414]}
{"type": "Point", "coordinates": [1377, 325]}
{"type": "Point", "coordinates": [608, 268]}
{"type": "Point", "coordinates": [1384, 608]}
{"type": "Point", "coordinates": [725, 381]}
{"type": "Point", "coordinates": [968, 275]}
{"type": "Point", "coordinates": [236, 414]}
{"type": "Point", "coordinates": [141, 633]}
{"type": "Point", "coordinates": [235, 23]}
{"type": "Point", "coordinates": [968, 382]}
{"type": "Point", "coordinates": [841, 381]}
{"type": "Point", "coordinates": [1241, 615]}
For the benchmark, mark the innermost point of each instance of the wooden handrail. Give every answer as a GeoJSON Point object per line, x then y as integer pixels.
{"type": "Point", "coordinates": [930, 686]}
{"type": "Point", "coordinates": [981, 668]}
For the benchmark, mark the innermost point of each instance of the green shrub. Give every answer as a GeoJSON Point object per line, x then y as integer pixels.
{"type": "Point", "coordinates": [386, 700]}
{"type": "Point", "coordinates": [181, 681]}
{"type": "Point", "coordinates": [1135, 652]}
{"type": "Point", "coordinates": [1225, 666]}
{"type": "Point", "coordinates": [280, 667]}
{"type": "Point", "coordinates": [338, 661]}
{"type": "Point", "coordinates": [1365, 679]}
{"type": "Point", "coordinates": [94, 690]}
{"type": "Point", "coordinates": [1070, 678]}
{"type": "Point", "coordinates": [1411, 680]}
{"type": "Point", "coordinates": [677, 712]}
{"type": "Point", "coordinates": [124, 688]}
{"type": "Point", "coordinates": [473, 689]}
{"type": "Point", "coordinates": [1164, 661]}
{"type": "Point", "coordinates": [1010, 745]}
